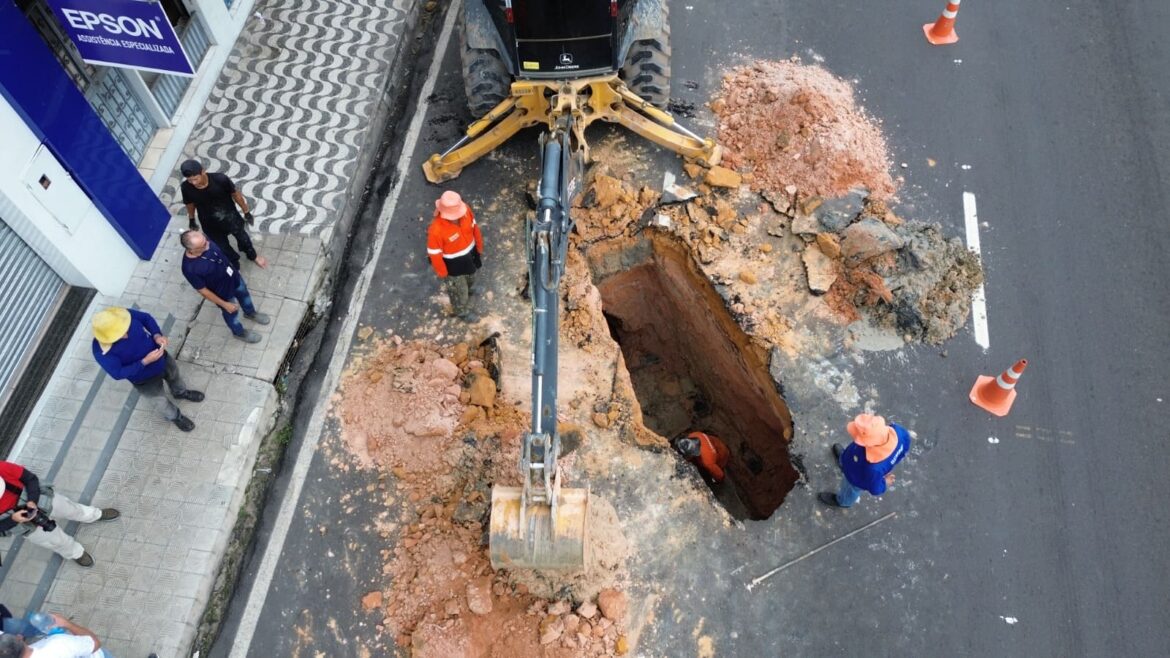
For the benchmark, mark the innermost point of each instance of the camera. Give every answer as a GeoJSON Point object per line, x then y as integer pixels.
{"type": "Point", "coordinates": [41, 520]}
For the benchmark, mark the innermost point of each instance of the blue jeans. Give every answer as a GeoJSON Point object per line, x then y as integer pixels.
{"type": "Point", "coordinates": [847, 494]}
{"type": "Point", "coordinates": [244, 299]}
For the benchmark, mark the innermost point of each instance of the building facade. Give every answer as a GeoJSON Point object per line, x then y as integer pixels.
{"type": "Point", "coordinates": [84, 151]}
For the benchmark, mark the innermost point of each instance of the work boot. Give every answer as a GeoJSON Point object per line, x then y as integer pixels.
{"type": "Point", "coordinates": [248, 337]}
{"type": "Point", "coordinates": [829, 499]}
{"type": "Point", "coordinates": [837, 450]}
{"type": "Point", "coordinates": [86, 560]}
{"type": "Point", "coordinates": [184, 423]}
{"type": "Point", "coordinates": [258, 317]}
{"type": "Point", "coordinates": [109, 514]}
{"type": "Point", "coordinates": [193, 396]}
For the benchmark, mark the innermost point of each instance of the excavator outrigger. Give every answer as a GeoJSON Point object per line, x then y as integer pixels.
{"type": "Point", "coordinates": [603, 98]}
{"type": "Point", "coordinates": [563, 64]}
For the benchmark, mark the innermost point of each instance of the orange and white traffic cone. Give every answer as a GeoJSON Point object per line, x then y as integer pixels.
{"type": "Point", "coordinates": [942, 31]}
{"type": "Point", "coordinates": [996, 394]}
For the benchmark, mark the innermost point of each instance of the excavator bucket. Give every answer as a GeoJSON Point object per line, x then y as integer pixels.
{"type": "Point", "coordinates": [531, 538]}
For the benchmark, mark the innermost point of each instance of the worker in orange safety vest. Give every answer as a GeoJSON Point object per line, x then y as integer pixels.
{"type": "Point", "coordinates": [455, 247]}
{"type": "Point", "coordinates": [705, 451]}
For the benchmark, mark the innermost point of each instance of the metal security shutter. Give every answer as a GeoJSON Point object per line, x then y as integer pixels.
{"type": "Point", "coordinates": [30, 291]}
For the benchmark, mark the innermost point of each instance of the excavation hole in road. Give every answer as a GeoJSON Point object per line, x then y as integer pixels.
{"type": "Point", "coordinates": [693, 368]}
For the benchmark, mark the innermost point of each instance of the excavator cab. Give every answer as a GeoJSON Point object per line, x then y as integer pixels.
{"type": "Point", "coordinates": [558, 39]}
{"type": "Point", "coordinates": [563, 38]}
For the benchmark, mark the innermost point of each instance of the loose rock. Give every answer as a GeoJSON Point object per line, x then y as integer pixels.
{"type": "Point", "coordinates": [805, 225]}
{"type": "Point", "coordinates": [482, 391]}
{"type": "Point", "coordinates": [613, 604]}
{"type": "Point", "coordinates": [444, 368]}
{"type": "Point", "coordinates": [551, 631]}
{"type": "Point", "coordinates": [572, 622]}
{"type": "Point", "coordinates": [868, 238]}
{"type": "Point", "coordinates": [830, 244]}
{"type": "Point", "coordinates": [821, 270]}
{"type": "Point", "coordinates": [722, 177]}
{"type": "Point", "coordinates": [479, 595]}
{"type": "Point", "coordinates": [372, 600]}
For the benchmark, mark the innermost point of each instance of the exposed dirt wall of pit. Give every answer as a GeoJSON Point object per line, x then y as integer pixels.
{"type": "Point", "coordinates": [665, 305]}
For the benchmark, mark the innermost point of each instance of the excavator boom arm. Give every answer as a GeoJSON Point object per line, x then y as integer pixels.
{"type": "Point", "coordinates": [540, 524]}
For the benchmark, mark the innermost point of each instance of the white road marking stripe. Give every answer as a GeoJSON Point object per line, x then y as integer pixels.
{"type": "Point", "coordinates": [979, 300]}
{"type": "Point", "coordinates": [256, 598]}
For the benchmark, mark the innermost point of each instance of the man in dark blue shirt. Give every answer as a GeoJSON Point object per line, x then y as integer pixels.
{"type": "Point", "coordinates": [867, 464]}
{"type": "Point", "coordinates": [129, 344]}
{"type": "Point", "coordinates": [210, 272]}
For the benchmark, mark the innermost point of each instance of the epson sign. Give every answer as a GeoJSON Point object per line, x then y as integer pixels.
{"type": "Point", "coordinates": [128, 25]}
{"type": "Point", "coordinates": [125, 33]}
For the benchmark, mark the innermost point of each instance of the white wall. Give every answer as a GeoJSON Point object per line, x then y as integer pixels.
{"type": "Point", "coordinates": [92, 254]}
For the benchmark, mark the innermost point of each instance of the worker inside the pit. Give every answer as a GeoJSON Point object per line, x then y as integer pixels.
{"type": "Point", "coordinates": [707, 452]}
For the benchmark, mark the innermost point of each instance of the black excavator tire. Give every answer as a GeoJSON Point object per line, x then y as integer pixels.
{"type": "Point", "coordinates": [486, 80]}
{"type": "Point", "coordinates": [647, 67]}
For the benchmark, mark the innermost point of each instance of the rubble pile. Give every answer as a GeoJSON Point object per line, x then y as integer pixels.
{"type": "Point", "coordinates": [852, 250]}
{"type": "Point", "coordinates": [429, 419]}
{"type": "Point", "coordinates": [819, 168]}
{"type": "Point", "coordinates": [860, 255]}
{"type": "Point", "coordinates": [785, 123]}
{"type": "Point", "coordinates": [610, 207]}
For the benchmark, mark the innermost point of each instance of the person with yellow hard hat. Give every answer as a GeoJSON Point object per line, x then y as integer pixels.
{"type": "Point", "coordinates": [129, 344]}
{"type": "Point", "coordinates": [868, 463]}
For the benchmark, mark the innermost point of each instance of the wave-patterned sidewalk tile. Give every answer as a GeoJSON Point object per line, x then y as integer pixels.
{"type": "Point", "coordinates": [292, 107]}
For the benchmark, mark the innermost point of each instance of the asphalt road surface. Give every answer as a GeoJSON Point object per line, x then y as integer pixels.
{"type": "Point", "coordinates": [1040, 534]}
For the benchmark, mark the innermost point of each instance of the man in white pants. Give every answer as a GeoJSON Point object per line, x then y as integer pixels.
{"type": "Point", "coordinates": [20, 504]}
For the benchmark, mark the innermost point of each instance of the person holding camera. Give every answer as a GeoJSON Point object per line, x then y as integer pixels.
{"type": "Point", "coordinates": [26, 506]}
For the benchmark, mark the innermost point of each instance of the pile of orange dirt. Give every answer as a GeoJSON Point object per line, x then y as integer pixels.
{"type": "Point", "coordinates": [790, 125]}
{"type": "Point", "coordinates": [428, 417]}
{"type": "Point", "coordinates": [609, 207]}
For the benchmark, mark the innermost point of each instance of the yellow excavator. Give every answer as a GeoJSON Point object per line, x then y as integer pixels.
{"type": "Point", "coordinates": [562, 64]}
{"type": "Point", "coordinates": [529, 62]}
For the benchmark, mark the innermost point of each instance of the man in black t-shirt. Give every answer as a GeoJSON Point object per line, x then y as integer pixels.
{"type": "Point", "coordinates": [212, 199]}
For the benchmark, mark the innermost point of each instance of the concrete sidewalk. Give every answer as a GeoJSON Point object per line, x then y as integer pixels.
{"type": "Point", "coordinates": [294, 121]}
